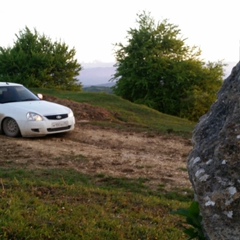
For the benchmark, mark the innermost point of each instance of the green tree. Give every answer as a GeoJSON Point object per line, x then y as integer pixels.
{"type": "Point", "coordinates": [156, 68]}
{"type": "Point", "coordinates": [36, 61]}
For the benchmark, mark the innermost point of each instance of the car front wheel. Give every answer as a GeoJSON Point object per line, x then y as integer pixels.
{"type": "Point", "coordinates": [10, 128]}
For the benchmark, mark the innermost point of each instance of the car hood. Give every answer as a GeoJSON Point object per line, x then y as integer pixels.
{"type": "Point", "coordinates": [41, 107]}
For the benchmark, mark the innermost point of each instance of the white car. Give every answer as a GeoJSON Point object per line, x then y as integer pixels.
{"type": "Point", "coordinates": [22, 113]}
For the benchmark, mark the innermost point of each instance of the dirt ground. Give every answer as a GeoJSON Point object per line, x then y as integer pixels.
{"type": "Point", "coordinates": [96, 150]}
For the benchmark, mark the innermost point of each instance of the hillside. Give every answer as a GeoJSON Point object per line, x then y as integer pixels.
{"type": "Point", "coordinates": [95, 149]}
{"type": "Point", "coordinates": [118, 175]}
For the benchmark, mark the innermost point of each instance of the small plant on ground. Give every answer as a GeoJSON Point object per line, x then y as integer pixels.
{"type": "Point", "coordinates": [193, 218]}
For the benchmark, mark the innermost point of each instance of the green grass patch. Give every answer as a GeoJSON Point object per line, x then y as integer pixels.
{"type": "Point", "coordinates": [63, 204]}
{"type": "Point", "coordinates": [127, 112]}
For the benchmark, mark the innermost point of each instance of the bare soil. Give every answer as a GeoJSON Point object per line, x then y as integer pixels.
{"type": "Point", "coordinates": [91, 149]}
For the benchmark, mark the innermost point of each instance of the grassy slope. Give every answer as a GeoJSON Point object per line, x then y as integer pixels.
{"type": "Point", "coordinates": [68, 205]}
{"type": "Point", "coordinates": [128, 112]}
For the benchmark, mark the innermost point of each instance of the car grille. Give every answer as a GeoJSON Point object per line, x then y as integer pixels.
{"type": "Point", "coordinates": [58, 129]}
{"type": "Point", "coordinates": [57, 117]}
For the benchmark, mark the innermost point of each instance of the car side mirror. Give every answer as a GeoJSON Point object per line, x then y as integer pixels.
{"type": "Point", "coordinates": [40, 96]}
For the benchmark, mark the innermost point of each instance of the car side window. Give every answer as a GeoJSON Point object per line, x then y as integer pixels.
{"type": "Point", "coordinates": [8, 95]}
{"type": "Point", "coordinates": [1, 97]}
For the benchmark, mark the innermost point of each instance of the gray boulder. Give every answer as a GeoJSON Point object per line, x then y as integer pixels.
{"type": "Point", "coordinates": [214, 163]}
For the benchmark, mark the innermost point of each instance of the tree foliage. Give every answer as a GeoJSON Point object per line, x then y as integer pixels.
{"type": "Point", "coordinates": [158, 69]}
{"type": "Point", "coordinates": [36, 61]}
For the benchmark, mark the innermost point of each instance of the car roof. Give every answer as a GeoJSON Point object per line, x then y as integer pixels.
{"type": "Point", "coordinates": [4, 84]}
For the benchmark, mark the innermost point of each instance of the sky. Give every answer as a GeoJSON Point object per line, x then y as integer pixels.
{"type": "Point", "coordinates": [92, 27]}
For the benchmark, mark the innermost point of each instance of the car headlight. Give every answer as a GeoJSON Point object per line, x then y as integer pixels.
{"type": "Point", "coordinates": [31, 116]}
{"type": "Point", "coordinates": [70, 114]}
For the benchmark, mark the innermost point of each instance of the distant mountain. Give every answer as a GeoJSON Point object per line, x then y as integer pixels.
{"type": "Point", "coordinates": [91, 75]}
{"type": "Point", "coordinates": [99, 74]}
{"type": "Point", "coordinates": [98, 89]}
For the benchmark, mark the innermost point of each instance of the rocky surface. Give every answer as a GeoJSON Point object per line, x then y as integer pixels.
{"type": "Point", "coordinates": [214, 163]}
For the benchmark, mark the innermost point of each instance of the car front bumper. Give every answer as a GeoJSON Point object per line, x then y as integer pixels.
{"type": "Point", "coordinates": [45, 127]}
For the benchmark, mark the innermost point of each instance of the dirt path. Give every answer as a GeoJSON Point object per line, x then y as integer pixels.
{"type": "Point", "coordinates": [94, 150]}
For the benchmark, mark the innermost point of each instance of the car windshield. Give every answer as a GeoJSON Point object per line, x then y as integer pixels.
{"type": "Point", "coordinates": [16, 94]}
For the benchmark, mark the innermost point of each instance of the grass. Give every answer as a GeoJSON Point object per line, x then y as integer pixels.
{"type": "Point", "coordinates": [134, 115]}
{"type": "Point", "coordinates": [64, 204]}
{"type": "Point", "coordinates": [58, 204]}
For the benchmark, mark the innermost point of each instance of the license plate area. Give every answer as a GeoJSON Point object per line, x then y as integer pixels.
{"type": "Point", "coordinates": [59, 124]}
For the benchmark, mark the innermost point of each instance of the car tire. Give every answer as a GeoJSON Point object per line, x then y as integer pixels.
{"type": "Point", "coordinates": [10, 127]}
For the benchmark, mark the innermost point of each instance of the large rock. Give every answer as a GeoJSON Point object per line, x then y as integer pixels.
{"type": "Point", "coordinates": [214, 163]}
